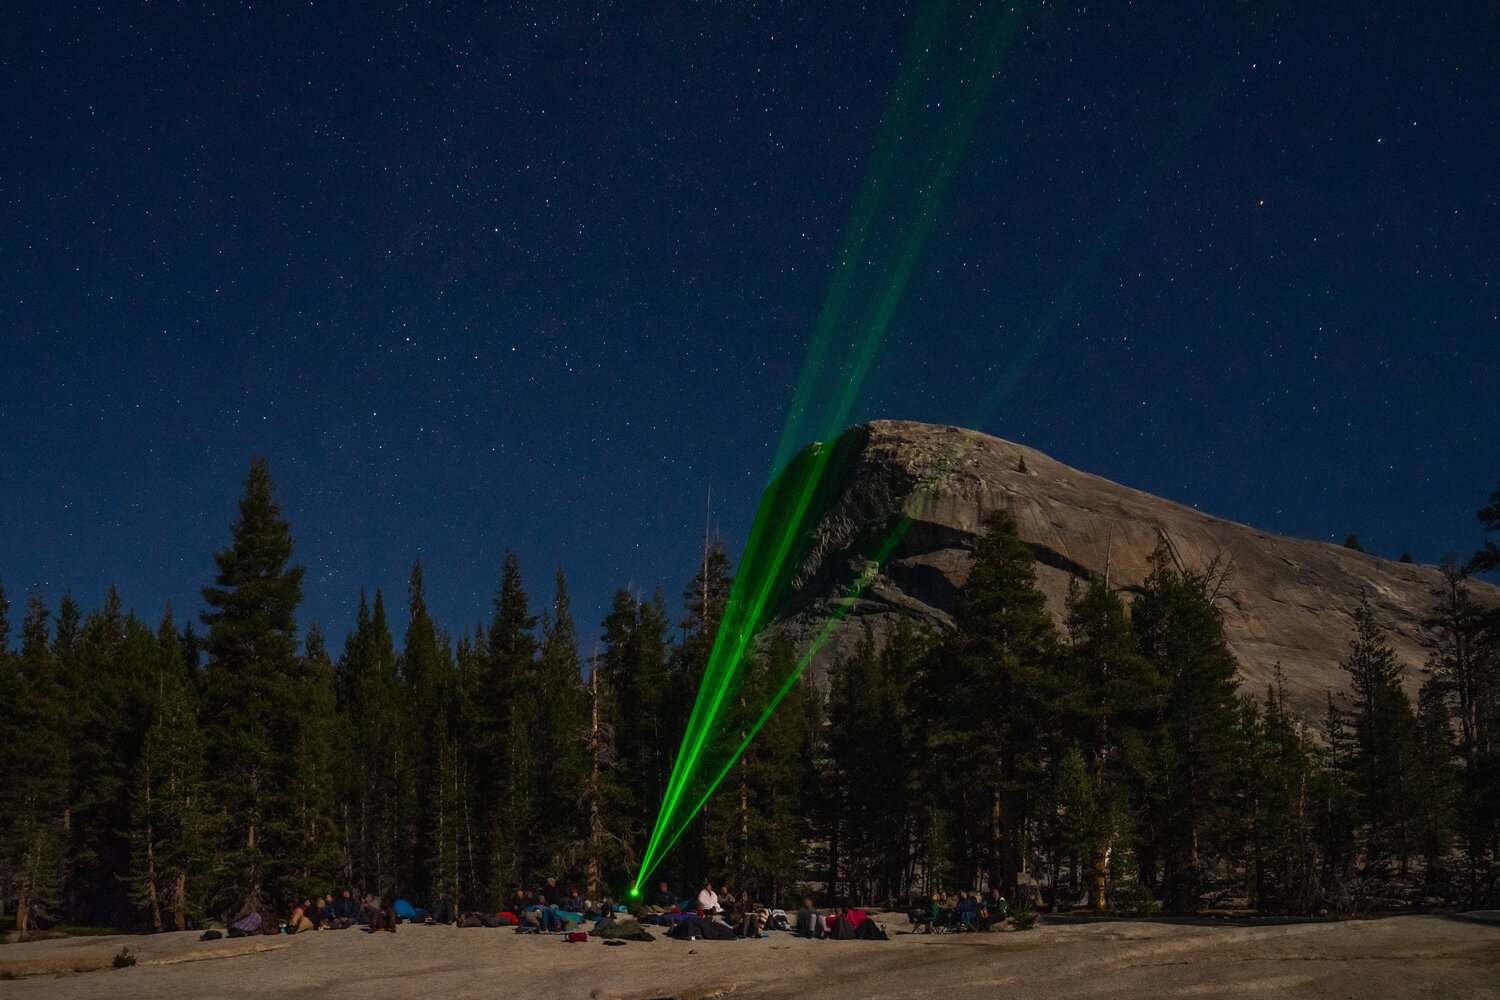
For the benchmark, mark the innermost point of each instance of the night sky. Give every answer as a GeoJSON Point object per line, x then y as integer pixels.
{"type": "Point", "coordinates": [544, 276]}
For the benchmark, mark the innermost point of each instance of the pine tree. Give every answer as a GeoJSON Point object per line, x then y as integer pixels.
{"type": "Point", "coordinates": [1281, 866]}
{"type": "Point", "coordinates": [470, 771]}
{"type": "Point", "coordinates": [252, 702]}
{"type": "Point", "coordinates": [871, 773]}
{"type": "Point", "coordinates": [635, 674]}
{"type": "Point", "coordinates": [560, 733]}
{"type": "Point", "coordinates": [504, 745]}
{"type": "Point", "coordinates": [754, 825]}
{"type": "Point", "coordinates": [984, 699]}
{"type": "Point", "coordinates": [1382, 736]}
{"type": "Point", "coordinates": [111, 665]}
{"type": "Point", "coordinates": [1181, 632]}
{"type": "Point", "coordinates": [1107, 693]}
{"type": "Point", "coordinates": [704, 602]}
{"type": "Point", "coordinates": [606, 850]}
{"type": "Point", "coordinates": [314, 857]}
{"type": "Point", "coordinates": [375, 718]}
{"type": "Point", "coordinates": [34, 780]}
{"type": "Point", "coordinates": [169, 827]}
{"type": "Point", "coordinates": [1437, 790]}
{"type": "Point", "coordinates": [448, 802]}
{"type": "Point", "coordinates": [1334, 809]}
{"type": "Point", "coordinates": [427, 734]}
{"type": "Point", "coordinates": [1464, 675]}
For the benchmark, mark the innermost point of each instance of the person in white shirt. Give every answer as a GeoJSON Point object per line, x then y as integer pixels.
{"type": "Point", "coordinates": [708, 901]}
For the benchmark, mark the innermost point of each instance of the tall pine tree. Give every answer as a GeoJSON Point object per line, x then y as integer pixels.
{"type": "Point", "coordinates": [1190, 788]}
{"type": "Point", "coordinates": [1106, 695]}
{"type": "Point", "coordinates": [985, 697]}
{"type": "Point", "coordinates": [169, 820]}
{"type": "Point", "coordinates": [252, 701]}
{"type": "Point", "coordinates": [1379, 765]}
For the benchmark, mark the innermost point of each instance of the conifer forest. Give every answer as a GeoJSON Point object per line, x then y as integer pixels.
{"type": "Point", "coordinates": [155, 775]}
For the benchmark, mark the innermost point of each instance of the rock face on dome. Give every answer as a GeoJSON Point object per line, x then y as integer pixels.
{"type": "Point", "coordinates": [1284, 600]}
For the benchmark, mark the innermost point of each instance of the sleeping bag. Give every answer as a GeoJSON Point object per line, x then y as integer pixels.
{"type": "Point", "coordinates": [690, 927]}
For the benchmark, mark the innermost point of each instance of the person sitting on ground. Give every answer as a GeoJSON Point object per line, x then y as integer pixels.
{"type": "Point", "coordinates": [749, 924]}
{"type": "Point", "coordinates": [323, 913]}
{"type": "Point", "coordinates": [727, 900]}
{"type": "Point", "coordinates": [345, 911]}
{"type": "Point", "coordinates": [810, 923]}
{"type": "Point", "coordinates": [575, 903]}
{"type": "Point", "coordinates": [663, 903]}
{"type": "Point", "coordinates": [544, 915]}
{"type": "Point", "coordinates": [375, 916]}
{"type": "Point", "coordinates": [300, 921]}
{"type": "Point", "coordinates": [708, 901]}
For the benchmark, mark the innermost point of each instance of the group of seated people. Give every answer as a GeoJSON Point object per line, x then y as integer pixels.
{"type": "Point", "coordinates": [549, 910]}
{"type": "Point", "coordinates": [970, 911]}
{"type": "Point", "coordinates": [329, 913]}
{"type": "Point", "coordinates": [718, 914]}
{"type": "Point", "coordinates": [702, 912]}
{"type": "Point", "coordinates": [708, 902]}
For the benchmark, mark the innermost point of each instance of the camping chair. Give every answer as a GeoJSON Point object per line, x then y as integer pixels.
{"type": "Point", "coordinates": [932, 920]}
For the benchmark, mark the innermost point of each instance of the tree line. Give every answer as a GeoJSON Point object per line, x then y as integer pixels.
{"type": "Point", "coordinates": [160, 776]}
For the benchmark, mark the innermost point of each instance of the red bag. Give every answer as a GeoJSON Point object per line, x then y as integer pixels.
{"type": "Point", "coordinates": [576, 936]}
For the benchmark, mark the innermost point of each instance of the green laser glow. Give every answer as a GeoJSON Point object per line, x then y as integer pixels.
{"type": "Point", "coordinates": [840, 610]}
{"type": "Point", "coordinates": [781, 520]}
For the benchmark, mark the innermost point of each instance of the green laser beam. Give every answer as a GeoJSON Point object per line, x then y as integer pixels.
{"type": "Point", "coordinates": [740, 627]}
{"type": "Point", "coordinates": [839, 612]}
{"type": "Point", "coordinates": [866, 206]}
{"type": "Point", "coordinates": [778, 524]}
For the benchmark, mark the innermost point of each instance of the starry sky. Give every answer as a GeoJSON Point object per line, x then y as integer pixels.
{"type": "Point", "coordinates": [545, 276]}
